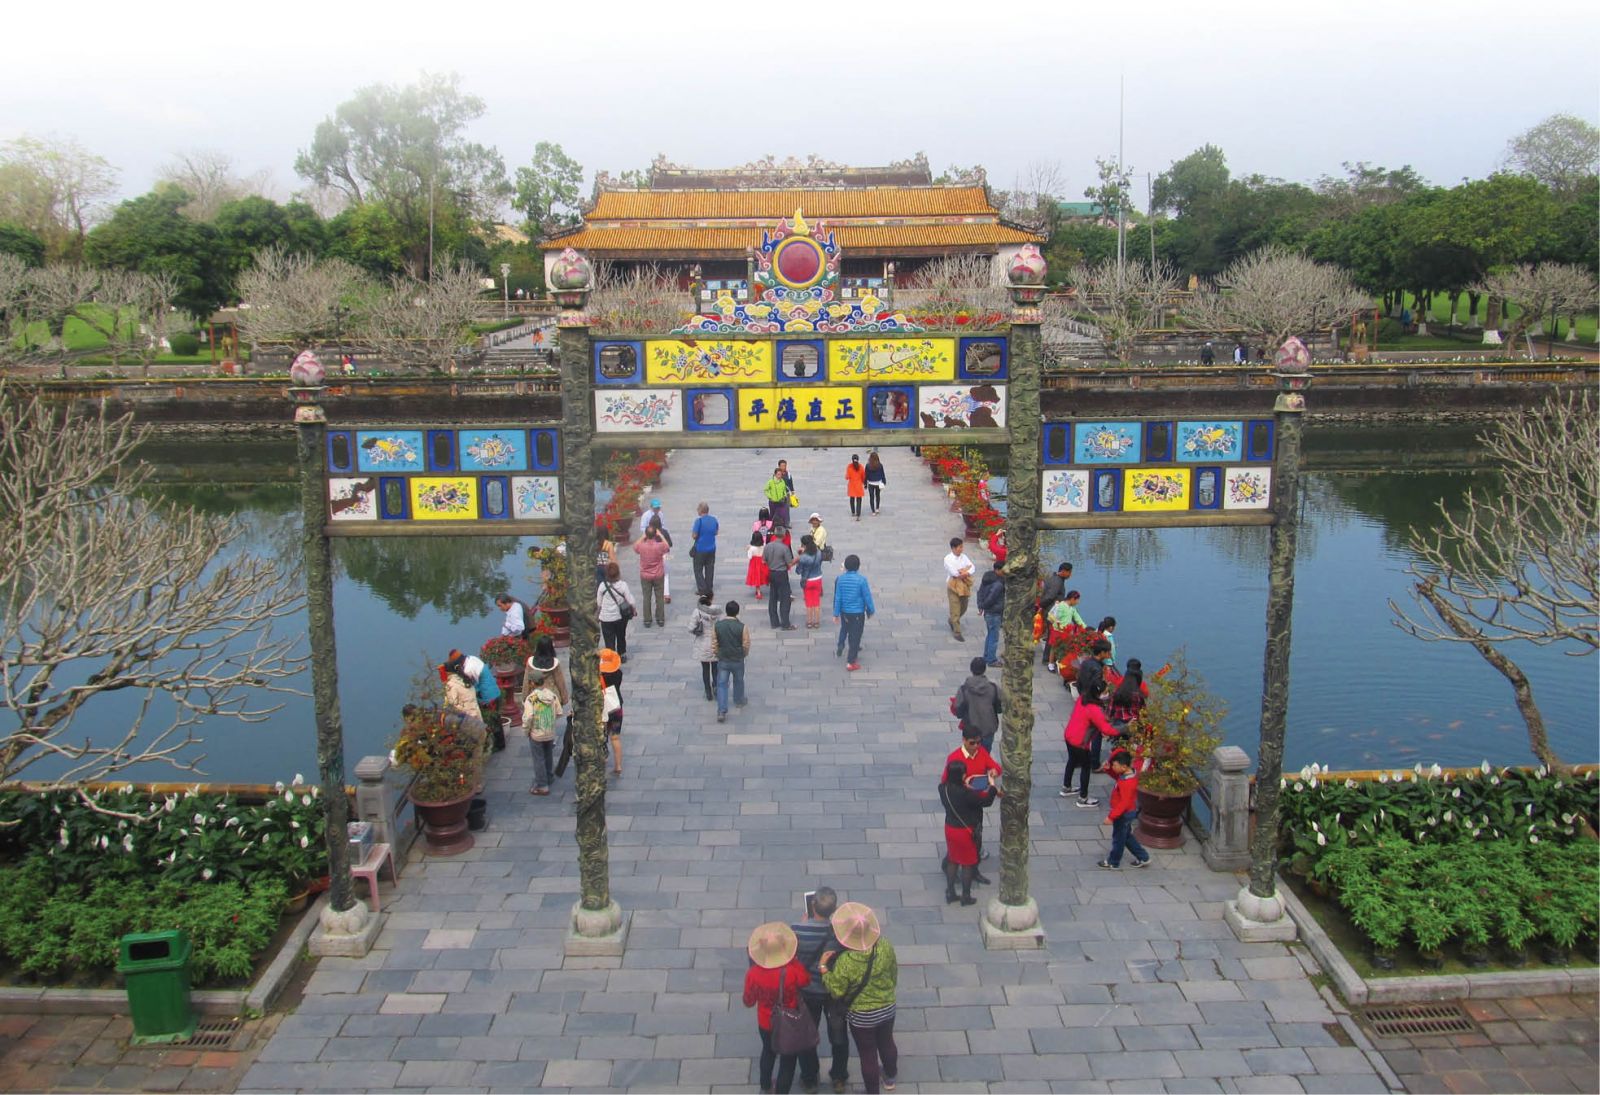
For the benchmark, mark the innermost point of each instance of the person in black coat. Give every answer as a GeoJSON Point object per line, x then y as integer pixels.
{"type": "Point", "coordinates": [963, 817]}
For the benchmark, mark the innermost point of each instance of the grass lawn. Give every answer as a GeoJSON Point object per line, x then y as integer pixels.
{"type": "Point", "coordinates": [1587, 324]}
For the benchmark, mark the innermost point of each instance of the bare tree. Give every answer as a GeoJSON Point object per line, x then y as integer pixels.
{"type": "Point", "coordinates": [1551, 288]}
{"type": "Point", "coordinates": [426, 323]}
{"type": "Point", "coordinates": [1563, 152]}
{"type": "Point", "coordinates": [104, 592]}
{"type": "Point", "coordinates": [209, 178]}
{"type": "Point", "coordinates": [1122, 305]}
{"type": "Point", "coordinates": [1273, 293]}
{"type": "Point", "coordinates": [152, 317]}
{"type": "Point", "coordinates": [13, 306]}
{"type": "Point", "coordinates": [55, 293]}
{"type": "Point", "coordinates": [641, 298]}
{"type": "Point", "coordinates": [54, 187]}
{"type": "Point", "coordinates": [1519, 563]}
{"type": "Point", "coordinates": [286, 297]}
{"type": "Point", "coordinates": [973, 284]}
{"type": "Point", "coordinates": [1031, 201]}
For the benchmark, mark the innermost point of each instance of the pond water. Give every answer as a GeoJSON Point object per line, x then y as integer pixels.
{"type": "Point", "coordinates": [1363, 693]}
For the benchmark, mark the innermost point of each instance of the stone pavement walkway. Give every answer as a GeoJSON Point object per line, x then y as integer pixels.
{"type": "Point", "coordinates": [828, 778]}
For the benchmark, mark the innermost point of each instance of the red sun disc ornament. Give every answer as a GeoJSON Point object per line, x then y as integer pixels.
{"type": "Point", "coordinates": [799, 262]}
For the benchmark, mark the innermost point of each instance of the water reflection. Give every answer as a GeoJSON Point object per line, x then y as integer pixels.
{"type": "Point", "coordinates": [456, 576]}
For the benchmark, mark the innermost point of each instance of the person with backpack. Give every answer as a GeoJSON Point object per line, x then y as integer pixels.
{"type": "Point", "coordinates": [544, 697]}
{"type": "Point", "coordinates": [991, 605]}
{"type": "Point", "coordinates": [487, 690]}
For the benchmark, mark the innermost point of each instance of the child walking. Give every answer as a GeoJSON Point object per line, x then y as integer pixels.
{"type": "Point", "coordinates": [755, 572]}
{"type": "Point", "coordinates": [1124, 809]}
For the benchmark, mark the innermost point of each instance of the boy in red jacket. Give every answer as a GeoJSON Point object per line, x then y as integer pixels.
{"type": "Point", "coordinates": [1124, 809]}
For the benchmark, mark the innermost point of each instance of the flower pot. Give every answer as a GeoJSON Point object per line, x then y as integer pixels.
{"type": "Point", "coordinates": [970, 524]}
{"type": "Point", "coordinates": [444, 824]}
{"type": "Point", "coordinates": [1432, 960]}
{"type": "Point", "coordinates": [1552, 954]}
{"type": "Point", "coordinates": [1516, 957]}
{"type": "Point", "coordinates": [1382, 959]}
{"type": "Point", "coordinates": [295, 905]}
{"type": "Point", "coordinates": [561, 621]}
{"type": "Point", "coordinates": [478, 814]}
{"type": "Point", "coordinates": [1475, 957]}
{"type": "Point", "coordinates": [1160, 823]}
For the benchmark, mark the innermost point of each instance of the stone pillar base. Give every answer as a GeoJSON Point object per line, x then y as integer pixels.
{"type": "Point", "coordinates": [347, 934]}
{"type": "Point", "coordinates": [1259, 919]}
{"type": "Point", "coordinates": [1491, 337]}
{"type": "Point", "coordinates": [602, 932]}
{"type": "Point", "coordinates": [1011, 927]}
{"type": "Point", "coordinates": [1224, 862]}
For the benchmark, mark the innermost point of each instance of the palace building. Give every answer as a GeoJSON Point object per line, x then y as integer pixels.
{"type": "Point", "coordinates": [703, 226]}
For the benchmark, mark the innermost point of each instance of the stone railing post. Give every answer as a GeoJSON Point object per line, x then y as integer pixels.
{"type": "Point", "coordinates": [377, 801]}
{"type": "Point", "coordinates": [1228, 849]}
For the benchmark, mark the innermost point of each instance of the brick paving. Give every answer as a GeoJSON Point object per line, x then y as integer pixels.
{"type": "Point", "coordinates": [826, 778]}
{"type": "Point", "coordinates": [1542, 1043]}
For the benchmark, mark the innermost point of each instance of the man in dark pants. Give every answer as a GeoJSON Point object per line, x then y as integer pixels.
{"type": "Point", "coordinates": [780, 594]}
{"type": "Point", "coordinates": [703, 549]}
{"type": "Point", "coordinates": [815, 936]}
{"type": "Point", "coordinates": [1055, 587]}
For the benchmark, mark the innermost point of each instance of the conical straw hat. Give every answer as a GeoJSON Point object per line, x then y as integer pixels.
{"type": "Point", "coordinates": [772, 945]}
{"type": "Point", "coordinates": [856, 926]}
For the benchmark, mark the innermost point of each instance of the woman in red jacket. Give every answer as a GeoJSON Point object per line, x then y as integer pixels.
{"type": "Point", "coordinates": [772, 947]}
{"type": "Point", "coordinates": [1082, 734]}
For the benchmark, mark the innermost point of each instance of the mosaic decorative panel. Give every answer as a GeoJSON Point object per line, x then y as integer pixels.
{"type": "Point", "coordinates": [977, 406]}
{"type": "Point", "coordinates": [638, 410]}
{"type": "Point", "coordinates": [440, 475]}
{"type": "Point", "coordinates": [1105, 442]}
{"type": "Point", "coordinates": [1247, 488]}
{"type": "Point", "coordinates": [824, 408]}
{"type": "Point", "coordinates": [860, 359]}
{"type": "Point", "coordinates": [1154, 490]}
{"type": "Point", "coordinates": [1210, 442]}
{"type": "Point", "coordinates": [1065, 491]}
{"type": "Point", "coordinates": [708, 361]}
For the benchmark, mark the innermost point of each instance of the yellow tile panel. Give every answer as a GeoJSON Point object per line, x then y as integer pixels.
{"type": "Point", "coordinates": [707, 361]}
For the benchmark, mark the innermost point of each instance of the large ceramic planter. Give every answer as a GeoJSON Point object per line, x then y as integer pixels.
{"type": "Point", "coordinates": [970, 523]}
{"type": "Point", "coordinates": [561, 622]}
{"type": "Point", "coordinates": [444, 824]}
{"type": "Point", "coordinates": [1160, 823]}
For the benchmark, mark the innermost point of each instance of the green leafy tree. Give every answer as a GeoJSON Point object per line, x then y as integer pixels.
{"type": "Point", "coordinates": [1365, 185]}
{"type": "Point", "coordinates": [54, 188]}
{"type": "Point", "coordinates": [253, 224]}
{"type": "Point", "coordinates": [22, 242]}
{"type": "Point", "coordinates": [547, 190]}
{"type": "Point", "coordinates": [370, 237]}
{"type": "Point", "coordinates": [1198, 178]}
{"type": "Point", "coordinates": [151, 234]}
{"type": "Point", "coordinates": [1112, 191]}
{"type": "Point", "coordinates": [1563, 152]}
{"type": "Point", "coordinates": [405, 149]}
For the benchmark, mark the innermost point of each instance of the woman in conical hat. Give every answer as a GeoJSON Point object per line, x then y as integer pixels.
{"type": "Point", "coordinates": [773, 973]}
{"type": "Point", "coordinates": [864, 976]}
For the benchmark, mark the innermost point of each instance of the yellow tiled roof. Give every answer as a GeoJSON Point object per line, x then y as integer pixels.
{"type": "Point", "coordinates": [708, 241]}
{"type": "Point", "coordinates": [867, 201]}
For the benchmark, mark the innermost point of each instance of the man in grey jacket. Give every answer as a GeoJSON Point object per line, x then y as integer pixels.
{"type": "Point", "coordinates": [978, 703]}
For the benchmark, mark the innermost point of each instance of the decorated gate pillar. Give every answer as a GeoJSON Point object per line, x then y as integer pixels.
{"type": "Point", "coordinates": [1011, 919]}
{"type": "Point", "coordinates": [598, 925]}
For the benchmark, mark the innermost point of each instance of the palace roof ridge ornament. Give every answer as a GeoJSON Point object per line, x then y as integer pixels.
{"type": "Point", "coordinates": [797, 273]}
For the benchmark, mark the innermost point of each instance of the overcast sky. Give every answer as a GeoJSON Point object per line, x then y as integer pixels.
{"type": "Point", "coordinates": [1287, 89]}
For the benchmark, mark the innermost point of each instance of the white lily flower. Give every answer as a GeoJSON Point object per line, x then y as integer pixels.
{"type": "Point", "coordinates": [1456, 793]}
{"type": "Point", "coordinates": [1350, 783]}
{"type": "Point", "coordinates": [1383, 777]}
{"type": "Point", "coordinates": [305, 800]}
{"type": "Point", "coordinates": [1529, 810]}
{"type": "Point", "coordinates": [127, 843]}
{"type": "Point", "coordinates": [1449, 815]}
{"type": "Point", "coordinates": [1305, 772]}
{"type": "Point", "coordinates": [304, 840]}
{"type": "Point", "coordinates": [278, 787]}
{"type": "Point", "coordinates": [1321, 840]}
{"type": "Point", "coordinates": [288, 796]}
{"type": "Point", "coordinates": [1532, 839]}
{"type": "Point", "coordinates": [65, 839]}
{"type": "Point", "coordinates": [208, 874]}
{"type": "Point", "coordinates": [1435, 772]}
{"type": "Point", "coordinates": [1485, 767]}
{"type": "Point", "coordinates": [298, 779]}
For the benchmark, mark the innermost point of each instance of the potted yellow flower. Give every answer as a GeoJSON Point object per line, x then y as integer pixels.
{"type": "Point", "coordinates": [1175, 734]}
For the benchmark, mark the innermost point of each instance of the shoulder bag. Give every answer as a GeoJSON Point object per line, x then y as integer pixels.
{"type": "Point", "coordinates": [849, 998]}
{"type": "Point", "coordinates": [793, 1029]}
{"type": "Point", "coordinates": [624, 608]}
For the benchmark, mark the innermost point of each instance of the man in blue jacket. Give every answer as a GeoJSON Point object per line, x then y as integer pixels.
{"type": "Point", "coordinates": [991, 603]}
{"type": "Point", "coordinates": [852, 604]}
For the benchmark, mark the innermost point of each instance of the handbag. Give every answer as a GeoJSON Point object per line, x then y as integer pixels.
{"type": "Point", "coordinates": [611, 701]}
{"type": "Point", "coordinates": [794, 499]}
{"type": "Point", "coordinates": [793, 1029]}
{"type": "Point", "coordinates": [625, 610]}
{"type": "Point", "coordinates": [827, 553]}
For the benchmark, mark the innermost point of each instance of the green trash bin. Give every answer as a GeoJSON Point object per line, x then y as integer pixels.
{"type": "Point", "coordinates": [155, 967]}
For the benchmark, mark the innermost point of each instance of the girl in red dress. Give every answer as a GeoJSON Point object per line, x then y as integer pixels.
{"type": "Point", "coordinates": [755, 574]}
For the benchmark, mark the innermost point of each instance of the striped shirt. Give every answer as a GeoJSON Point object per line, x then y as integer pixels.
{"type": "Point", "coordinates": [872, 1018]}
